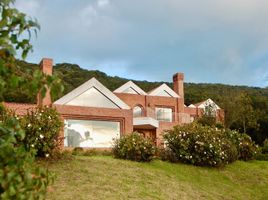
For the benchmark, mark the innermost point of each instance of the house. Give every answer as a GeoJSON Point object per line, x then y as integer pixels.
{"type": "Point", "coordinates": [93, 115]}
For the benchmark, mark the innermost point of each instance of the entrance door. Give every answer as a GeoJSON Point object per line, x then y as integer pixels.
{"type": "Point", "coordinates": [148, 133]}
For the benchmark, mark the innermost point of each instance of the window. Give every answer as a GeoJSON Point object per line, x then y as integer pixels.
{"type": "Point", "coordinates": [137, 111]}
{"type": "Point", "coordinates": [164, 114]}
{"type": "Point", "coordinates": [93, 98]}
{"type": "Point", "coordinates": [210, 110]}
{"type": "Point", "coordinates": [90, 133]}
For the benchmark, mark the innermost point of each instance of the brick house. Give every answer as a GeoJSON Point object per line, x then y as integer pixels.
{"type": "Point", "coordinates": [93, 115]}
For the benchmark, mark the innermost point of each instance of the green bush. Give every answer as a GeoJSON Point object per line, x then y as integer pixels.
{"type": "Point", "coordinates": [91, 152]}
{"type": "Point", "coordinates": [199, 145]}
{"type": "Point", "coordinates": [134, 147]}
{"type": "Point", "coordinates": [20, 178]}
{"type": "Point", "coordinates": [42, 127]}
{"type": "Point", "coordinates": [206, 146]}
{"type": "Point", "coordinates": [246, 148]}
{"type": "Point", "coordinates": [265, 147]}
{"type": "Point", "coordinates": [261, 156]}
{"type": "Point", "coordinates": [77, 151]}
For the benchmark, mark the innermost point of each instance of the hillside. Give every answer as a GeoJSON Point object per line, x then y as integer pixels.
{"type": "Point", "coordinates": [73, 75]}
{"type": "Point", "coordinates": [103, 177]}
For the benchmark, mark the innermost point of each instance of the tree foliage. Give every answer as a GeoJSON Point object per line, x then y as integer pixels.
{"type": "Point", "coordinates": [20, 178]}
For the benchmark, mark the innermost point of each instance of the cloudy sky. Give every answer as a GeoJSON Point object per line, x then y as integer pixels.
{"type": "Point", "coordinates": [215, 41]}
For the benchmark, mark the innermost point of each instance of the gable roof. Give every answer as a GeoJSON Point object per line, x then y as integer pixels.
{"type": "Point", "coordinates": [206, 102]}
{"type": "Point", "coordinates": [163, 90]}
{"type": "Point", "coordinates": [130, 88]}
{"type": "Point", "coordinates": [92, 85]}
{"type": "Point", "coordinates": [192, 106]}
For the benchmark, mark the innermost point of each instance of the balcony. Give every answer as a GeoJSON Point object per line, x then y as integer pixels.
{"type": "Point", "coordinates": [145, 123]}
{"type": "Point", "coordinates": [150, 118]}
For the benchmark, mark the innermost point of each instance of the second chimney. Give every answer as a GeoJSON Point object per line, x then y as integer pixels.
{"type": "Point", "coordinates": [178, 80]}
{"type": "Point", "coordinates": [46, 66]}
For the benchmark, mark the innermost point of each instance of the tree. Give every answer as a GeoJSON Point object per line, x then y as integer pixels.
{"type": "Point", "coordinates": [246, 116]}
{"type": "Point", "coordinates": [208, 116]}
{"type": "Point", "coordinates": [19, 177]}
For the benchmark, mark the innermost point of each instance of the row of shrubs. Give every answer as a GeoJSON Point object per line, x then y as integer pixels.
{"type": "Point", "coordinates": [193, 144]}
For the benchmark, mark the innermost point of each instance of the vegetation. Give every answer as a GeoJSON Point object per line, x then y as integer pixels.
{"type": "Point", "coordinates": [103, 177]}
{"type": "Point", "coordinates": [265, 147]}
{"type": "Point", "coordinates": [207, 146]}
{"type": "Point", "coordinates": [134, 147]}
{"type": "Point", "coordinates": [42, 127]}
{"type": "Point", "coordinates": [91, 152]}
{"type": "Point", "coordinates": [20, 178]}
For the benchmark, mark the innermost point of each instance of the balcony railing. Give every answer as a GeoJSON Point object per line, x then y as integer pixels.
{"type": "Point", "coordinates": [167, 117]}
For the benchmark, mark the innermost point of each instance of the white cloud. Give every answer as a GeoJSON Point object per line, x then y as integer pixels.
{"type": "Point", "coordinates": [211, 41]}
{"type": "Point", "coordinates": [88, 15]}
{"type": "Point", "coordinates": [103, 3]}
{"type": "Point", "coordinates": [30, 7]}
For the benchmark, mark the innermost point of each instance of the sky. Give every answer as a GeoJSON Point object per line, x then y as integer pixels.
{"type": "Point", "coordinates": [210, 41]}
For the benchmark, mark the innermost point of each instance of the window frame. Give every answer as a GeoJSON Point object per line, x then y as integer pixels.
{"type": "Point", "coordinates": [165, 107]}
{"type": "Point", "coordinates": [87, 118]}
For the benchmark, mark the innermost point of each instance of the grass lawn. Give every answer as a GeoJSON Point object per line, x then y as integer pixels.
{"type": "Point", "coordinates": [102, 177]}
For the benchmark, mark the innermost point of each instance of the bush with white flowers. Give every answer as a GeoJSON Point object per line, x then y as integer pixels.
{"type": "Point", "coordinates": [206, 146]}
{"type": "Point", "coordinates": [134, 147]}
{"type": "Point", "coordinates": [42, 127]}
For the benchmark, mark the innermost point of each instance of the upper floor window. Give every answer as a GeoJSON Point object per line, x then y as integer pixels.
{"type": "Point", "coordinates": [137, 111]}
{"type": "Point", "coordinates": [164, 114]}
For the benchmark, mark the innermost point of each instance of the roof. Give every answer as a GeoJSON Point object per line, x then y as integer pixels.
{"type": "Point", "coordinates": [92, 84]}
{"type": "Point", "coordinates": [206, 102]}
{"type": "Point", "coordinates": [163, 90]}
{"type": "Point", "coordinates": [130, 88]}
{"type": "Point", "coordinates": [192, 106]}
{"type": "Point", "coordinates": [198, 104]}
{"type": "Point", "coordinates": [20, 108]}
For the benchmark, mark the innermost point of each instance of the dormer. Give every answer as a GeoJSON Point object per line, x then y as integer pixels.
{"type": "Point", "coordinates": [130, 88]}
{"type": "Point", "coordinates": [163, 91]}
{"type": "Point", "coordinates": [92, 94]}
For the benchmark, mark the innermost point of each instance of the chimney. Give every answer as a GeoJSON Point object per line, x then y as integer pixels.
{"type": "Point", "coordinates": [179, 89]}
{"type": "Point", "coordinates": [46, 66]}
{"type": "Point", "coordinates": [178, 84]}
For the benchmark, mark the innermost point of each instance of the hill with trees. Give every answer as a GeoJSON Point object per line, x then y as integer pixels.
{"type": "Point", "coordinates": [246, 108]}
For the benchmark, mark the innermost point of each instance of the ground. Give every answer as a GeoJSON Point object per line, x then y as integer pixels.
{"type": "Point", "coordinates": [103, 177]}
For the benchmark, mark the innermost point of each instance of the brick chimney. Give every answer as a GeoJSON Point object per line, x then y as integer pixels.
{"type": "Point", "coordinates": [178, 84]}
{"type": "Point", "coordinates": [178, 79]}
{"type": "Point", "coordinates": [46, 66]}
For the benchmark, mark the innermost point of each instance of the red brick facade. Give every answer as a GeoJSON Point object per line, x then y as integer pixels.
{"type": "Point", "coordinates": [148, 103]}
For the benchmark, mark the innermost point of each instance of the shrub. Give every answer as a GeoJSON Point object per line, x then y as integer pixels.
{"type": "Point", "coordinates": [134, 147]}
{"type": "Point", "coordinates": [42, 127]}
{"type": "Point", "coordinates": [246, 148]}
{"type": "Point", "coordinates": [97, 152]}
{"type": "Point", "coordinates": [261, 156]}
{"type": "Point", "coordinates": [207, 120]}
{"type": "Point", "coordinates": [77, 151]}
{"type": "Point", "coordinates": [20, 178]}
{"type": "Point", "coordinates": [199, 145]}
{"type": "Point", "coordinates": [265, 147]}
{"type": "Point", "coordinates": [207, 146]}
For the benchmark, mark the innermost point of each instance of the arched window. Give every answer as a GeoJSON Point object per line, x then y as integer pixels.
{"type": "Point", "coordinates": [137, 111]}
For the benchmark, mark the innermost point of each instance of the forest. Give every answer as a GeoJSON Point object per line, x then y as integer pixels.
{"type": "Point", "coordinates": [246, 108]}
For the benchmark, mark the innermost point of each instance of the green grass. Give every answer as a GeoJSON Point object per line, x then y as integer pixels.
{"type": "Point", "coordinates": [102, 177]}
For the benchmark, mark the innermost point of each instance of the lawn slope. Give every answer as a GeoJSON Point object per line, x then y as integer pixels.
{"type": "Point", "coordinates": [107, 178]}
